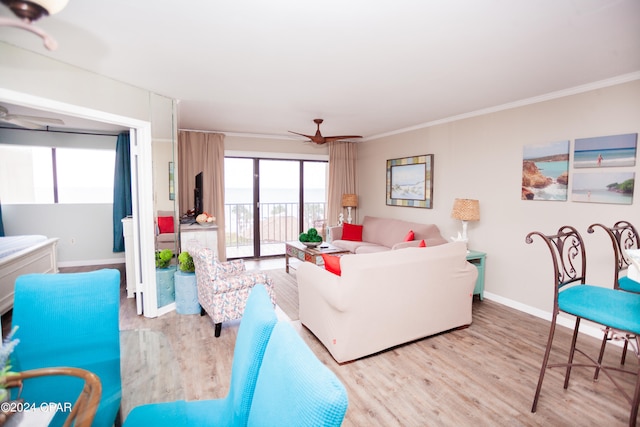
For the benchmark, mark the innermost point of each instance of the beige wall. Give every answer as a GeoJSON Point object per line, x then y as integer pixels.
{"type": "Point", "coordinates": [34, 75]}
{"type": "Point", "coordinates": [481, 158]}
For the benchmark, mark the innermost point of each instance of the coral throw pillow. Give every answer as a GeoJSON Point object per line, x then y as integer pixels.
{"type": "Point", "coordinates": [410, 236]}
{"type": "Point", "coordinates": [332, 264]}
{"type": "Point", "coordinates": [165, 224]}
{"type": "Point", "coordinates": [422, 244]}
{"type": "Point", "coordinates": [352, 232]}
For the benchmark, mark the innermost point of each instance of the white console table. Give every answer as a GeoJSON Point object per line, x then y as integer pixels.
{"type": "Point", "coordinates": [206, 236]}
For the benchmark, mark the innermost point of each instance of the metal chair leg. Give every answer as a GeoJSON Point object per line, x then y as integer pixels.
{"type": "Point", "coordinates": [545, 362]}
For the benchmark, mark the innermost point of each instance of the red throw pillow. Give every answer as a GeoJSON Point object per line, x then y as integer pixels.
{"type": "Point", "coordinates": [332, 264]}
{"type": "Point", "coordinates": [422, 244]}
{"type": "Point", "coordinates": [165, 224]}
{"type": "Point", "coordinates": [410, 236]}
{"type": "Point", "coordinates": [352, 232]}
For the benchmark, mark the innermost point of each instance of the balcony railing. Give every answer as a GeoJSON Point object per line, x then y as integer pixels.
{"type": "Point", "coordinates": [278, 222]}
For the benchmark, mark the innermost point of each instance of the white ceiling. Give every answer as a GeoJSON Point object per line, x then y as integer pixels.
{"type": "Point", "coordinates": [368, 67]}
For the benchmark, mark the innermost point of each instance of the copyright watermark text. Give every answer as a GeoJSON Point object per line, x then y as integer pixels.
{"type": "Point", "coordinates": [17, 406]}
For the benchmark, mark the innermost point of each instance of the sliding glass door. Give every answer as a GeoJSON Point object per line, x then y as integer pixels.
{"type": "Point", "coordinates": [269, 202]}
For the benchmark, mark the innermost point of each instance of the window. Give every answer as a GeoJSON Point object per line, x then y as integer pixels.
{"type": "Point", "coordinates": [39, 175]}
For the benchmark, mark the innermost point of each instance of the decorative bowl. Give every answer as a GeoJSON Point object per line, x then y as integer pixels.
{"type": "Point", "coordinates": [311, 244]}
{"type": "Point", "coordinates": [206, 224]}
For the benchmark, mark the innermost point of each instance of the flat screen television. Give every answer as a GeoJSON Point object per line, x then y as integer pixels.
{"type": "Point", "coordinates": [197, 195]}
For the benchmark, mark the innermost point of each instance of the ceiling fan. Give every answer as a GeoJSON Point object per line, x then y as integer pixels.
{"type": "Point", "coordinates": [319, 139]}
{"type": "Point", "coordinates": [25, 121]}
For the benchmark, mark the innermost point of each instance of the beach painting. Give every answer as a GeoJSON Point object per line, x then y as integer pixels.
{"type": "Point", "coordinates": [605, 151]}
{"type": "Point", "coordinates": [409, 181]}
{"type": "Point", "coordinates": [603, 187]}
{"type": "Point", "coordinates": [545, 171]}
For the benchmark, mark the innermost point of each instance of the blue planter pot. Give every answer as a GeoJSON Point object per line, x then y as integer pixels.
{"type": "Point", "coordinates": [186, 293]}
{"type": "Point", "coordinates": [165, 285]}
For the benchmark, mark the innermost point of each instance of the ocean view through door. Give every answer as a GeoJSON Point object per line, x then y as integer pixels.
{"type": "Point", "coordinates": [271, 201]}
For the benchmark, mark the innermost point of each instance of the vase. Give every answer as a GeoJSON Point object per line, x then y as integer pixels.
{"type": "Point", "coordinates": [186, 293]}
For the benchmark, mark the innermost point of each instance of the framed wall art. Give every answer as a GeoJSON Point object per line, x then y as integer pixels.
{"type": "Point", "coordinates": [603, 187]}
{"type": "Point", "coordinates": [410, 181]}
{"type": "Point", "coordinates": [605, 151]}
{"type": "Point", "coordinates": [545, 171]}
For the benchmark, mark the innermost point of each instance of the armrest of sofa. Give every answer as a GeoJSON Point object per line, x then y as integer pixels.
{"type": "Point", "coordinates": [334, 233]}
{"type": "Point", "coordinates": [316, 284]}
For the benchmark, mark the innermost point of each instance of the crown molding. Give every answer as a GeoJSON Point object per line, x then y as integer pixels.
{"type": "Point", "coordinates": [625, 78]}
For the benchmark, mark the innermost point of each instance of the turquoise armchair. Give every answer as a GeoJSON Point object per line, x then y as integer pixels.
{"type": "Point", "coordinates": [254, 332]}
{"type": "Point", "coordinates": [69, 320]}
{"type": "Point", "coordinates": [294, 387]}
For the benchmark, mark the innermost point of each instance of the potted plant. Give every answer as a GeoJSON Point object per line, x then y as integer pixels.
{"type": "Point", "coordinates": [163, 258]}
{"type": "Point", "coordinates": [185, 262]}
{"type": "Point", "coordinates": [186, 285]}
{"type": "Point", "coordinates": [165, 285]}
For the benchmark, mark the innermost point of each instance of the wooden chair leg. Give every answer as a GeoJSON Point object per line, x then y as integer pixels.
{"type": "Point", "coordinates": [218, 329]}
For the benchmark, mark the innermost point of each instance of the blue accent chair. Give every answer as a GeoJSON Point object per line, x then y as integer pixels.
{"type": "Point", "coordinates": [294, 388]}
{"type": "Point", "coordinates": [623, 236]}
{"type": "Point", "coordinates": [617, 310]}
{"type": "Point", "coordinates": [253, 335]}
{"type": "Point", "coordinates": [69, 320]}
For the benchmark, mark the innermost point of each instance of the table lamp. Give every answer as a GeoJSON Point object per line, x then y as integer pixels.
{"type": "Point", "coordinates": [349, 201]}
{"type": "Point", "coordinates": [465, 210]}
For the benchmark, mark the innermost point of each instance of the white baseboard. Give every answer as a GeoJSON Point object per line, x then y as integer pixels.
{"type": "Point", "coordinates": [84, 263]}
{"type": "Point", "coordinates": [586, 327]}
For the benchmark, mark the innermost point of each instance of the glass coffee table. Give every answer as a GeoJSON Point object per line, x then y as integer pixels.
{"type": "Point", "coordinates": [295, 249]}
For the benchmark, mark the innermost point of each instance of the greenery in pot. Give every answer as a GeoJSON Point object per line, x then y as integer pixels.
{"type": "Point", "coordinates": [311, 236]}
{"type": "Point", "coordinates": [185, 262]}
{"type": "Point", "coordinates": [163, 258]}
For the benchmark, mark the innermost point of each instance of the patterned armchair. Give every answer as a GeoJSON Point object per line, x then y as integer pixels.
{"type": "Point", "coordinates": [224, 287]}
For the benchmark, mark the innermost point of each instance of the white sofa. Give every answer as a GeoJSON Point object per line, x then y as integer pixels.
{"type": "Point", "coordinates": [385, 234]}
{"type": "Point", "coordinates": [385, 299]}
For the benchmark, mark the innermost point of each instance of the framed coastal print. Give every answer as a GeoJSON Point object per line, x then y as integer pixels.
{"type": "Point", "coordinates": [410, 181]}
{"type": "Point", "coordinates": [545, 171]}
{"type": "Point", "coordinates": [605, 151]}
{"type": "Point", "coordinates": [603, 187]}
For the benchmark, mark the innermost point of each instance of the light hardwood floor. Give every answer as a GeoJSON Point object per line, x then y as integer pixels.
{"type": "Point", "coordinates": [484, 375]}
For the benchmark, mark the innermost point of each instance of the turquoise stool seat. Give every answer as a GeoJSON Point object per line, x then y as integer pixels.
{"type": "Point", "coordinates": [629, 285]}
{"type": "Point", "coordinates": [617, 309]}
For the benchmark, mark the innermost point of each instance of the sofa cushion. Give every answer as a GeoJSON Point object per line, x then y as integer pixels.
{"type": "Point", "coordinates": [332, 264]}
{"type": "Point", "coordinates": [165, 224]}
{"type": "Point", "coordinates": [352, 232]}
{"type": "Point", "coordinates": [410, 236]}
{"type": "Point", "coordinates": [422, 244]}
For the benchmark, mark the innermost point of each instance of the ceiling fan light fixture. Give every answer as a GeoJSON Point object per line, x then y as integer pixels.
{"type": "Point", "coordinates": [34, 9]}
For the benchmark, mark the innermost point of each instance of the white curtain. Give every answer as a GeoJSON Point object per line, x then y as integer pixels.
{"type": "Point", "coordinates": [342, 178]}
{"type": "Point", "coordinates": [203, 152]}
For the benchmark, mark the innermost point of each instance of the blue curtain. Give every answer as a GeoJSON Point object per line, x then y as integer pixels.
{"type": "Point", "coordinates": [121, 190]}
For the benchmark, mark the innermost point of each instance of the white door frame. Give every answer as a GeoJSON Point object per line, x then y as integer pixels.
{"type": "Point", "coordinates": [141, 186]}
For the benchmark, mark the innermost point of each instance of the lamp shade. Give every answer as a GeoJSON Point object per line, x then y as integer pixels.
{"type": "Point", "coordinates": [350, 200]}
{"type": "Point", "coordinates": [466, 210]}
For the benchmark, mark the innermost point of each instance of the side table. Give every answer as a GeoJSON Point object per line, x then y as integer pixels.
{"type": "Point", "coordinates": [478, 259]}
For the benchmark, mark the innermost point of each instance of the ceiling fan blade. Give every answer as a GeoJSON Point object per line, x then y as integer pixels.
{"type": "Point", "coordinates": [302, 134]}
{"type": "Point", "coordinates": [34, 119]}
{"type": "Point", "coordinates": [338, 138]}
{"type": "Point", "coordinates": [22, 123]}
